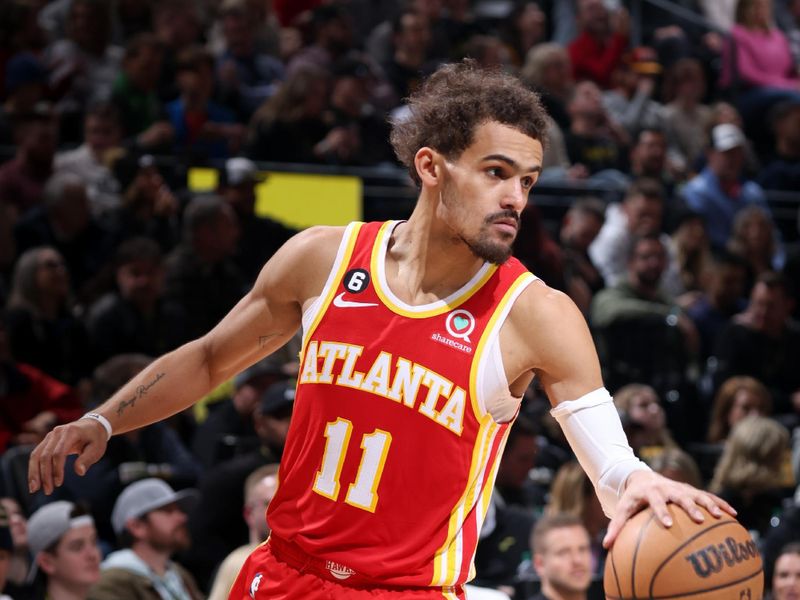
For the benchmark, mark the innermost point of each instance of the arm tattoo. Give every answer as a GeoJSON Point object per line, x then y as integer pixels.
{"type": "Point", "coordinates": [140, 392]}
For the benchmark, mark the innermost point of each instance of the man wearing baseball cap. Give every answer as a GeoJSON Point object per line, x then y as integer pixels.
{"type": "Point", "coordinates": [721, 190]}
{"type": "Point", "coordinates": [149, 518]}
{"type": "Point", "coordinates": [260, 236]}
{"type": "Point", "coordinates": [63, 542]}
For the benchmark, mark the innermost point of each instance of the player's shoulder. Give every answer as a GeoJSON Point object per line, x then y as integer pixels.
{"type": "Point", "coordinates": [317, 240]}
{"type": "Point", "coordinates": [543, 308]}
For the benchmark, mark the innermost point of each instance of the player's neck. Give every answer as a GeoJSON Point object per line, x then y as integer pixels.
{"type": "Point", "coordinates": [424, 261]}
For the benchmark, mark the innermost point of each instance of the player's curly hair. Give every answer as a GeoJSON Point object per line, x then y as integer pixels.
{"type": "Point", "coordinates": [450, 105]}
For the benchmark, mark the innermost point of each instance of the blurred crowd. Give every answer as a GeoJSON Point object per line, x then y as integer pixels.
{"type": "Point", "coordinates": [687, 270]}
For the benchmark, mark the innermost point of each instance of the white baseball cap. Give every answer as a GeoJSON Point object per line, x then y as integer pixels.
{"type": "Point", "coordinates": [727, 136]}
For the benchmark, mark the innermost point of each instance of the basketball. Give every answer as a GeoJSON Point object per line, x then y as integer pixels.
{"type": "Point", "coordinates": [713, 560]}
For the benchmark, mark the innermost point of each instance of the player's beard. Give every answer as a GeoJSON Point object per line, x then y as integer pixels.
{"type": "Point", "coordinates": [483, 245]}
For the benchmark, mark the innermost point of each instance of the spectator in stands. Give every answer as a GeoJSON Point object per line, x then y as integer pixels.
{"type": "Point", "coordinates": [537, 250]}
{"type": "Point", "coordinates": [63, 544]}
{"type": "Point", "coordinates": [22, 178]}
{"type": "Point", "coordinates": [639, 297]}
{"type": "Point", "coordinates": [259, 488]}
{"type": "Point", "coordinates": [200, 275]}
{"type": "Point", "coordinates": [203, 128]}
{"type": "Point", "coordinates": [332, 34]}
{"type": "Point", "coordinates": [786, 576]}
{"type": "Point", "coordinates": [719, 191]}
{"type": "Point", "coordinates": [519, 457]}
{"type": "Point", "coordinates": [502, 548]}
{"type": "Point", "coordinates": [686, 118]}
{"type": "Point", "coordinates": [561, 557]}
{"type": "Point", "coordinates": [32, 402]}
{"type": "Point", "coordinates": [640, 213]}
{"type": "Point", "coordinates": [246, 76]}
{"type": "Point", "coordinates": [677, 465]}
{"type": "Point", "coordinates": [572, 493]}
{"type": "Point", "coordinates": [84, 64]}
{"type": "Point", "coordinates": [233, 417]}
{"type": "Point", "coordinates": [149, 207]}
{"type": "Point", "coordinates": [102, 136]}
{"type": "Point", "coordinates": [379, 44]}
{"type": "Point", "coordinates": [526, 29]}
{"type": "Point", "coordinates": [690, 246]}
{"type": "Point", "coordinates": [757, 62]}
{"type": "Point", "coordinates": [150, 519]}
{"type": "Point", "coordinates": [215, 524]}
{"type": "Point", "coordinates": [755, 239]}
{"type": "Point", "coordinates": [722, 297]}
{"type": "Point", "coordinates": [601, 42]}
{"type": "Point", "coordinates": [290, 126]}
{"type": "Point", "coordinates": [134, 317]}
{"type": "Point", "coordinates": [134, 94]}
{"type": "Point", "coordinates": [408, 64]}
{"type": "Point", "coordinates": [547, 70]}
{"type": "Point", "coordinates": [352, 111]}
{"type": "Point", "coordinates": [19, 566]}
{"type": "Point", "coordinates": [260, 236]}
{"type": "Point", "coordinates": [6, 549]}
{"type": "Point", "coordinates": [8, 251]}
{"type": "Point", "coordinates": [738, 397]}
{"type": "Point", "coordinates": [178, 25]}
{"type": "Point", "coordinates": [594, 140]}
{"type": "Point", "coordinates": [25, 86]}
{"type": "Point", "coordinates": [640, 406]}
{"type": "Point", "coordinates": [749, 473]}
{"type": "Point", "coordinates": [648, 158]}
{"type": "Point", "coordinates": [579, 228]}
{"type": "Point", "coordinates": [65, 222]}
{"type": "Point", "coordinates": [42, 329]}
{"type": "Point", "coordinates": [782, 172]}
{"type": "Point", "coordinates": [763, 342]}
{"type": "Point", "coordinates": [631, 101]}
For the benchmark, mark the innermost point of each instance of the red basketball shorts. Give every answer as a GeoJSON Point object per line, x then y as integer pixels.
{"type": "Point", "coordinates": [277, 570]}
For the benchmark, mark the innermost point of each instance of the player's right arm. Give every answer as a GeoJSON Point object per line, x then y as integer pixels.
{"type": "Point", "coordinates": [261, 322]}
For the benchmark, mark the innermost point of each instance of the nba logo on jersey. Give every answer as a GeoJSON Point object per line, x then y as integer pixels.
{"type": "Point", "coordinates": [339, 571]}
{"type": "Point", "coordinates": [254, 584]}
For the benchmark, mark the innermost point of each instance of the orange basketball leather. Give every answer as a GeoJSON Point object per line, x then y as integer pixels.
{"type": "Point", "coordinates": [713, 560]}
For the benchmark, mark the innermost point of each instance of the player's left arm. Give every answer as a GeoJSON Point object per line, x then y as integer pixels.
{"type": "Point", "coordinates": [552, 337]}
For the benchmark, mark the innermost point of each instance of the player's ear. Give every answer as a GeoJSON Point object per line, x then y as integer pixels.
{"type": "Point", "coordinates": [428, 163]}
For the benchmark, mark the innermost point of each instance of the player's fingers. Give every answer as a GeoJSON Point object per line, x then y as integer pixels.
{"type": "Point", "coordinates": [658, 504]}
{"type": "Point", "coordinates": [715, 505]}
{"type": "Point", "coordinates": [59, 457]}
{"type": "Point", "coordinates": [44, 462]}
{"type": "Point", "coordinates": [689, 502]}
{"type": "Point", "coordinates": [625, 510]}
{"type": "Point", "coordinates": [34, 471]}
{"type": "Point", "coordinates": [90, 454]}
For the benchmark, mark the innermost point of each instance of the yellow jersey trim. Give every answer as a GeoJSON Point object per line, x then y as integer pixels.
{"type": "Point", "coordinates": [440, 307]}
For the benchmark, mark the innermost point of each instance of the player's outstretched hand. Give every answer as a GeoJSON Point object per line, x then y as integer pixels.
{"type": "Point", "coordinates": [84, 437]}
{"type": "Point", "coordinates": [646, 488]}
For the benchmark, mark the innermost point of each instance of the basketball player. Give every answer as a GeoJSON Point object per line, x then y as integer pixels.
{"type": "Point", "coordinates": [419, 340]}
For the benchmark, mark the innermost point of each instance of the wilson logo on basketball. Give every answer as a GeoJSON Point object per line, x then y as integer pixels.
{"type": "Point", "coordinates": [714, 558]}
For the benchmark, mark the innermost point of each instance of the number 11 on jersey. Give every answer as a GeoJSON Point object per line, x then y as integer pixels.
{"type": "Point", "coordinates": [363, 492]}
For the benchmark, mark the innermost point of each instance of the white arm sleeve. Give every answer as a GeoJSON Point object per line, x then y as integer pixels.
{"type": "Point", "coordinates": [593, 429]}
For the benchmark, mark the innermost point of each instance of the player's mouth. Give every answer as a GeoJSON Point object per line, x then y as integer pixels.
{"type": "Point", "coordinates": [506, 225]}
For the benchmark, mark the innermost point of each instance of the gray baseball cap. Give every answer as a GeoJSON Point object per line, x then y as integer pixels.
{"type": "Point", "coordinates": [141, 497]}
{"type": "Point", "coordinates": [48, 524]}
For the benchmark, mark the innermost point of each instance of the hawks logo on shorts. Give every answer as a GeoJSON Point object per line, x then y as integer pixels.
{"type": "Point", "coordinates": [254, 584]}
{"type": "Point", "coordinates": [339, 571]}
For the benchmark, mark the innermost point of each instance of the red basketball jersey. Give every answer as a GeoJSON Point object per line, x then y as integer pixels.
{"type": "Point", "coordinates": [391, 458]}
